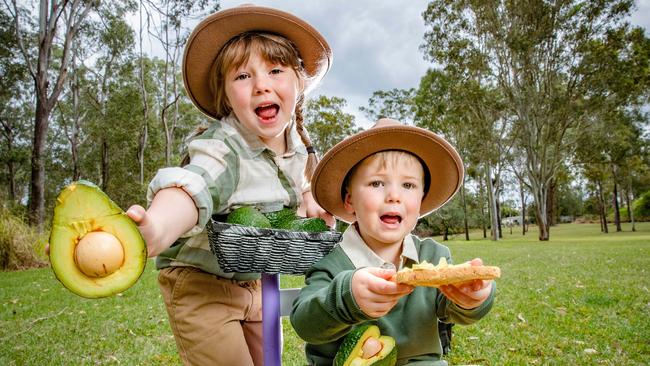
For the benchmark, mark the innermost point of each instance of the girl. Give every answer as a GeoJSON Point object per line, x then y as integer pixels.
{"type": "Point", "coordinates": [248, 68]}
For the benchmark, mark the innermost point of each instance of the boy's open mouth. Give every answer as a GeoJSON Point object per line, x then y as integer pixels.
{"type": "Point", "coordinates": [267, 112]}
{"type": "Point", "coordinates": [391, 219]}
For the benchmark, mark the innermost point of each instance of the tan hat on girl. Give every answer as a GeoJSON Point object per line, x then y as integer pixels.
{"type": "Point", "coordinates": [211, 34]}
{"type": "Point", "coordinates": [443, 167]}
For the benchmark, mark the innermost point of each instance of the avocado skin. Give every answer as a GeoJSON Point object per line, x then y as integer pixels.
{"type": "Point", "coordinates": [248, 216]}
{"type": "Point", "coordinates": [285, 219]}
{"type": "Point", "coordinates": [282, 219]}
{"type": "Point", "coordinates": [82, 207]}
{"type": "Point", "coordinates": [312, 225]}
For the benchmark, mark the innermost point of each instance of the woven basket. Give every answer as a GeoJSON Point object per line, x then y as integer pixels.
{"type": "Point", "coordinates": [245, 249]}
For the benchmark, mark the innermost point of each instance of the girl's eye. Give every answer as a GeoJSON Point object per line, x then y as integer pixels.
{"type": "Point", "coordinates": [276, 71]}
{"type": "Point", "coordinates": [376, 184]}
{"type": "Point", "coordinates": [241, 77]}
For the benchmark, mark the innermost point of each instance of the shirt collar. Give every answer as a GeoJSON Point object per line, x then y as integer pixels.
{"type": "Point", "coordinates": [294, 143]}
{"type": "Point", "coordinates": [362, 256]}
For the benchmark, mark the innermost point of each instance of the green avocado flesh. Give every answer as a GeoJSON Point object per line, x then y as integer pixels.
{"type": "Point", "coordinates": [82, 208]}
{"type": "Point", "coordinates": [350, 352]}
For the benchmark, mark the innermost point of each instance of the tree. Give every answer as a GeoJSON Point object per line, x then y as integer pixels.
{"type": "Point", "coordinates": [59, 23]}
{"type": "Point", "coordinates": [398, 104]}
{"type": "Point", "coordinates": [537, 53]}
{"type": "Point", "coordinates": [327, 123]}
{"type": "Point", "coordinates": [14, 110]}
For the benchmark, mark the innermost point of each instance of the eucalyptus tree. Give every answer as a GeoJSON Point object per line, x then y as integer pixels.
{"type": "Point", "coordinates": [170, 30]}
{"type": "Point", "coordinates": [534, 51]}
{"type": "Point", "coordinates": [327, 122]}
{"type": "Point", "coordinates": [454, 103]}
{"type": "Point", "coordinates": [14, 111]}
{"type": "Point", "coordinates": [398, 104]}
{"type": "Point", "coordinates": [58, 25]}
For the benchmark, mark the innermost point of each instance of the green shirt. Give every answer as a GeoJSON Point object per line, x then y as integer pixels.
{"type": "Point", "coordinates": [230, 167]}
{"type": "Point", "coordinates": [325, 310]}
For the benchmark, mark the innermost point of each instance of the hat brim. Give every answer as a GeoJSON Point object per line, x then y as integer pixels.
{"type": "Point", "coordinates": [442, 161]}
{"type": "Point", "coordinates": [212, 33]}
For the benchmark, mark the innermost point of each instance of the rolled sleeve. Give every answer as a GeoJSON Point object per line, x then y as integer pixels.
{"type": "Point", "coordinates": [193, 184]}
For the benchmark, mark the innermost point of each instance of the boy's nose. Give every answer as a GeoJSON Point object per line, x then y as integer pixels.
{"type": "Point", "coordinates": [392, 193]}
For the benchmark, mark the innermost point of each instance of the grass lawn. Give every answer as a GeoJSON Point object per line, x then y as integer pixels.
{"type": "Point", "coordinates": [582, 298]}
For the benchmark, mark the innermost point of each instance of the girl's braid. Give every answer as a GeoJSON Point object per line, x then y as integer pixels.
{"type": "Point", "coordinates": [312, 159]}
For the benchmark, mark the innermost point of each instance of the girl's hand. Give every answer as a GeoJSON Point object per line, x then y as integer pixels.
{"type": "Point", "coordinates": [309, 208]}
{"type": "Point", "coordinates": [148, 229]}
{"type": "Point", "coordinates": [374, 291]}
{"type": "Point", "coordinates": [471, 294]}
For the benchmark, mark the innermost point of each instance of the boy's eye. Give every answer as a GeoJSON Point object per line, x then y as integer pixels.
{"type": "Point", "coordinates": [409, 185]}
{"type": "Point", "coordinates": [376, 183]}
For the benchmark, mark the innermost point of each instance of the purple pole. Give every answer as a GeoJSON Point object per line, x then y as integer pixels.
{"type": "Point", "coordinates": [271, 319]}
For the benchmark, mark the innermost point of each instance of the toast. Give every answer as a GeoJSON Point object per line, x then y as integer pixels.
{"type": "Point", "coordinates": [426, 274]}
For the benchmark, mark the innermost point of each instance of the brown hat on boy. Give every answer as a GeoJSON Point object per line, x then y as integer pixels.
{"type": "Point", "coordinates": [211, 34]}
{"type": "Point", "coordinates": [442, 165]}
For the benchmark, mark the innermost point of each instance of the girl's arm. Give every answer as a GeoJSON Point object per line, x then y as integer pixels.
{"type": "Point", "coordinates": [171, 214]}
{"type": "Point", "coordinates": [309, 208]}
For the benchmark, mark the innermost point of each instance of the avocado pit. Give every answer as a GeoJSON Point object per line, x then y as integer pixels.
{"type": "Point", "coordinates": [99, 254]}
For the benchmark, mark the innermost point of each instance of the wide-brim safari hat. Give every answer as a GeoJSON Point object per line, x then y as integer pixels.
{"type": "Point", "coordinates": [212, 33]}
{"type": "Point", "coordinates": [442, 163]}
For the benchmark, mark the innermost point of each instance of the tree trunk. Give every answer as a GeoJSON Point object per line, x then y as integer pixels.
{"type": "Point", "coordinates": [37, 180]}
{"type": "Point", "coordinates": [492, 204]}
{"type": "Point", "coordinates": [522, 194]}
{"type": "Point", "coordinates": [603, 212]}
{"type": "Point", "coordinates": [541, 197]}
{"type": "Point", "coordinates": [105, 165]}
{"type": "Point", "coordinates": [617, 214]}
{"type": "Point", "coordinates": [630, 212]}
{"type": "Point", "coordinates": [445, 236]}
{"type": "Point", "coordinates": [8, 131]}
{"type": "Point", "coordinates": [462, 195]}
{"type": "Point", "coordinates": [499, 223]}
{"type": "Point", "coordinates": [482, 204]}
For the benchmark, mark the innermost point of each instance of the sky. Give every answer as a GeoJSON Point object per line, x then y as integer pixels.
{"type": "Point", "coordinates": [375, 44]}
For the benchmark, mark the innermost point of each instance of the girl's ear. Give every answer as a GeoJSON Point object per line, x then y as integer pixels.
{"type": "Point", "coordinates": [347, 203]}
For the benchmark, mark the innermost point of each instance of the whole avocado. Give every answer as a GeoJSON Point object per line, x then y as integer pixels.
{"type": "Point", "coordinates": [248, 216]}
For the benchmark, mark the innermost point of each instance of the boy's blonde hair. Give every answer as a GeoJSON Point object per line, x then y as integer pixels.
{"type": "Point", "coordinates": [273, 48]}
{"type": "Point", "coordinates": [386, 158]}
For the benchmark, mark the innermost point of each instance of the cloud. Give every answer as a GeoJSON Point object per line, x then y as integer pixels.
{"type": "Point", "coordinates": [375, 43]}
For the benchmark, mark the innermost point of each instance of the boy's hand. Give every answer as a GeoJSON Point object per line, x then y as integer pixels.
{"type": "Point", "coordinates": [375, 293]}
{"type": "Point", "coordinates": [471, 294]}
{"type": "Point", "coordinates": [309, 208]}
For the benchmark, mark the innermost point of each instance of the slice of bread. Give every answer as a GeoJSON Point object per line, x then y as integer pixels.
{"type": "Point", "coordinates": [426, 274]}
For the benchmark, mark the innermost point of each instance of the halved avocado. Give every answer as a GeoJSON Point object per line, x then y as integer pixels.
{"type": "Point", "coordinates": [96, 250]}
{"type": "Point", "coordinates": [350, 352]}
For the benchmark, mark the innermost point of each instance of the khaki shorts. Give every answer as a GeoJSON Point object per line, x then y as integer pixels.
{"type": "Point", "coordinates": [215, 321]}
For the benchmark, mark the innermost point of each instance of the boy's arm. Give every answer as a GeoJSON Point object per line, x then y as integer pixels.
{"type": "Point", "coordinates": [171, 214]}
{"type": "Point", "coordinates": [325, 309]}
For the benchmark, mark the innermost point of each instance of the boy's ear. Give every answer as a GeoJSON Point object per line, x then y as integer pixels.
{"type": "Point", "coordinates": [347, 204]}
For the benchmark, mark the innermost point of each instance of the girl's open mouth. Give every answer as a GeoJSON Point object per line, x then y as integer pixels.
{"type": "Point", "coordinates": [267, 112]}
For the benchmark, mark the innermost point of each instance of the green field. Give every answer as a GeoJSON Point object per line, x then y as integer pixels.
{"type": "Point", "coordinates": [581, 299]}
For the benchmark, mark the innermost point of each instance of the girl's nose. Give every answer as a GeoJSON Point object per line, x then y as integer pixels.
{"type": "Point", "coordinates": [262, 85]}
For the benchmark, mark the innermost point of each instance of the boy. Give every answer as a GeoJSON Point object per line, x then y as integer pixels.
{"type": "Point", "coordinates": [381, 180]}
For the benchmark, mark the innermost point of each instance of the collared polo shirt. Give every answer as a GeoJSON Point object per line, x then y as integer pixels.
{"type": "Point", "coordinates": [362, 256]}
{"type": "Point", "coordinates": [230, 167]}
